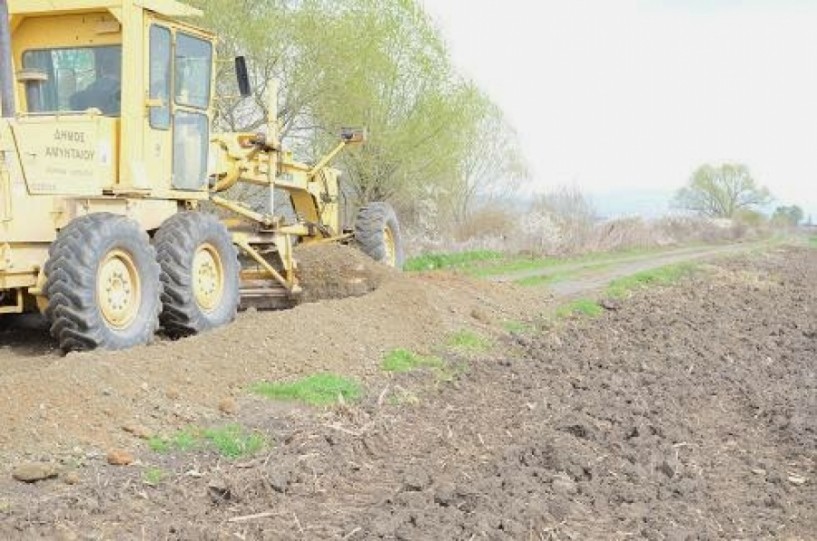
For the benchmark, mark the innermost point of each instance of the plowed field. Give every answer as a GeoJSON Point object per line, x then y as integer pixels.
{"type": "Point", "coordinates": [681, 412]}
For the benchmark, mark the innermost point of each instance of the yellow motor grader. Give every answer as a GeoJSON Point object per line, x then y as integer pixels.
{"type": "Point", "coordinates": [107, 162]}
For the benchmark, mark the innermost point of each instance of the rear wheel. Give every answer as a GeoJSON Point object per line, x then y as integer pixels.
{"type": "Point", "coordinates": [103, 284]}
{"type": "Point", "coordinates": [200, 273]}
{"type": "Point", "coordinates": [377, 233]}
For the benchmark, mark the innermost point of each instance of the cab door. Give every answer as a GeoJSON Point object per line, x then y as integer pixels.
{"type": "Point", "coordinates": [178, 121]}
{"type": "Point", "coordinates": [159, 122]}
{"type": "Point", "coordinates": [192, 64]}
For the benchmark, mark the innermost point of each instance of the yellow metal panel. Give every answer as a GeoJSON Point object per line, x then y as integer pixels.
{"type": "Point", "coordinates": [5, 194]}
{"type": "Point", "coordinates": [72, 155]}
{"type": "Point", "coordinates": [149, 213]}
{"type": "Point", "coordinates": [72, 30]}
{"type": "Point", "coordinates": [168, 8]}
{"type": "Point", "coordinates": [132, 169]}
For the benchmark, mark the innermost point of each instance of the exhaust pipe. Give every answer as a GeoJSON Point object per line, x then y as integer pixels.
{"type": "Point", "coordinates": [6, 72]}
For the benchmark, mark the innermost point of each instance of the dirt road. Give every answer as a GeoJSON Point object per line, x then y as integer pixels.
{"type": "Point", "coordinates": [580, 278]}
{"type": "Point", "coordinates": [688, 412]}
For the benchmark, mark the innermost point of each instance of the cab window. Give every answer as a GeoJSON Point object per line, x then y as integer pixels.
{"type": "Point", "coordinates": [191, 125]}
{"type": "Point", "coordinates": [75, 79]}
{"type": "Point", "coordinates": [160, 42]}
{"type": "Point", "coordinates": [194, 58]}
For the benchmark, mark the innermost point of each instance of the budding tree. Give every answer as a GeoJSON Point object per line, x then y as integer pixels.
{"type": "Point", "coordinates": [721, 191]}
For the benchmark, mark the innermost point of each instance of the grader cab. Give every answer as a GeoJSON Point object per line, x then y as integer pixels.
{"type": "Point", "coordinates": [107, 160]}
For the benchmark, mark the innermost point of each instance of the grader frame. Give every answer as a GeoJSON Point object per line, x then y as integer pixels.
{"type": "Point", "coordinates": [74, 168]}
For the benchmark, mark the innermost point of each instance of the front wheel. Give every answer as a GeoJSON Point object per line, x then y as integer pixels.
{"type": "Point", "coordinates": [200, 273]}
{"type": "Point", "coordinates": [103, 284]}
{"type": "Point", "coordinates": [377, 233]}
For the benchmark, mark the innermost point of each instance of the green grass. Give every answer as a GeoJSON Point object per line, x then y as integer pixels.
{"type": "Point", "coordinates": [667, 275]}
{"type": "Point", "coordinates": [469, 341]}
{"type": "Point", "coordinates": [535, 281]}
{"type": "Point", "coordinates": [510, 265]}
{"type": "Point", "coordinates": [403, 360]}
{"type": "Point", "coordinates": [517, 327]}
{"type": "Point", "coordinates": [812, 241]}
{"type": "Point", "coordinates": [183, 440]}
{"type": "Point", "coordinates": [557, 276]}
{"type": "Point", "coordinates": [231, 441]}
{"type": "Point", "coordinates": [428, 262]}
{"type": "Point", "coordinates": [316, 390]}
{"type": "Point", "coordinates": [586, 307]}
{"type": "Point", "coordinates": [153, 476]}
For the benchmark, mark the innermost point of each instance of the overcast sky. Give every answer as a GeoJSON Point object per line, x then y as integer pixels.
{"type": "Point", "coordinates": [623, 94]}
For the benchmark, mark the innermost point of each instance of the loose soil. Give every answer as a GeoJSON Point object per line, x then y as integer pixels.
{"type": "Point", "coordinates": [686, 412]}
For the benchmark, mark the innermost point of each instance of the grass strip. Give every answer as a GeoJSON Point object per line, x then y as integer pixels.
{"type": "Point", "coordinates": [427, 262]}
{"type": "Point", "coordinates": [315, 390]}
{"type": "Point", "coordinates": [403, 360]}
{"type": "Point", "coordinates": [586, 307]}
{"type": "Point", "coordinates": [231, 441]}
{"type": "Point", "coordinates": [660, 276]}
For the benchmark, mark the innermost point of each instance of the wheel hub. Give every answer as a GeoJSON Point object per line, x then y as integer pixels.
{"type": "Point", "coordinates": [118, 289]}
{"type": "Point", "coordinates": [208, 277]}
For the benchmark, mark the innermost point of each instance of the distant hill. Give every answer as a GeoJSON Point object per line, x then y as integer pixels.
{"type": "Point", "coordinates": [622, 203]}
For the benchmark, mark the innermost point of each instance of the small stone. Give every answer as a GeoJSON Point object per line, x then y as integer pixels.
{"type": "Point", "coordinates": [140, 431]}
{"type": "Point", "coordinates": [119, 457]}
{"type": "Point", "coordinates": [666, 468]}
{"type": "Point", "coordinates": [279, 481]}
{"type": "Point", "coordinates": [71, 478]}
{"type": "Point", "coordinates": [610, 304]}
{"type": "Point", "coordinates": [32, 472]}
{"type": "Point", "coordinates": [416, 479]}
{"type": "Point", "coordinates": [228, 406]}
{"type": "Point", "coordinates": [797, 479]}
{"type": "Point", "coordinates": [172, 393]}
{"type": "Point", "coordinates": [562, 484]}
{"type": "Point", "coordinates": [758, 471]}
{"type": "Point", "coordinates": [445, 494]}
{"type": "Point", "coordinates": [219, 490]}
{"type": "Point", "coordinates": [480, 315]}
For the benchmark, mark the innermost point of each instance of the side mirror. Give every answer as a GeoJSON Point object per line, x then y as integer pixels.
{"type": "Point", "coordinates": [243, 77]}
{"type": "Point", "coordinates": [353, 135]}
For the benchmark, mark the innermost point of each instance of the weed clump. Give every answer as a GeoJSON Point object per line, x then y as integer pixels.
{"type": "Point", "coordinates": [585, 307]}
{"type": "Point", "coordinates": [470, 342]}
{"type": "Point", "coordinates": [231, 441]}
{"type": "Point", "coordinates": [403, 360]}
{"type": "Point", "coordinates": [315, 390]}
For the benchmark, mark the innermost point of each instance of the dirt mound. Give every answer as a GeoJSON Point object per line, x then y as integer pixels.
{"type": "Point", "coordinates": [333, 271]}
{"type": "Point", "coordinates": [53, 404]}
{"type": "Point", "coordinates": [685, 413]}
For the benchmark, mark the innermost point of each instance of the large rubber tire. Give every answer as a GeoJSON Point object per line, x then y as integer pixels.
{"type": "Point", "coordinates": [102, 284]}
{"type": "Point", "coordinates": [377, 233]}
{"type": "Point", "coordinates": [186, 242]}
